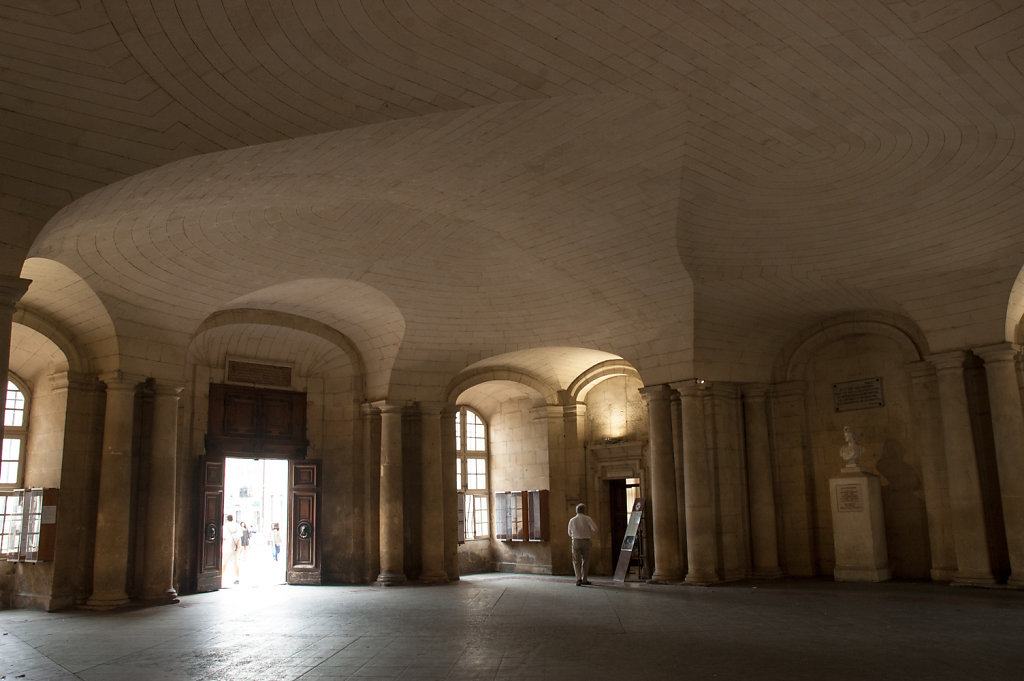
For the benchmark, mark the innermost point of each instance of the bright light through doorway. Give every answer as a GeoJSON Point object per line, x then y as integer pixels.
{"type": "Point", "coordinates": [256, 494]}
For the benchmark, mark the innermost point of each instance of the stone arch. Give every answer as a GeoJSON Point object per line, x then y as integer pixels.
{"type": "Point", "coordinates": [794, 357]}
{"type": "Point", "coordinates": [245, 316]}
{"type": "Point", "coordinates": [77, 359]}
{"type": "Point", "coordinates": [598, 373]}
{"type": "Point", "coordinates": [64, 307]}
{"type": "Point", "coordinates": [473, 377]}
{"type": "Point", "coordinates": [1015, 310]}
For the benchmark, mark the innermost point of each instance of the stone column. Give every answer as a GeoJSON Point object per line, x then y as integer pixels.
{"type": "Point", "coordinates": [680, 457]}
{"type": "Point", "coordinates": [371, 489]}
{"type": "Point", "coordinates": [701, 532]}
{"type": "Point", "coordinates": [974, 565]}
{"type": "Point", "coordinates": [158, 584]}
{"type": "Point", "coordinates": [11, 291]}
{"type": "Point", "coordinates": [764, 533]}
{"type": "Point", "coordinates": [663, 486]}
{"type": "Point", "coordinates": [1008, 429]}
{"type": "Point", "coordinates": [432, 516]}
{"type": "Point", "coordinates": [558, 499]}
{"type": "Point", "coordinates": [793, 468]}
{"type": "Point", "coordinates": [934, 482]}
{"type": "Point", "coordinates": [79, 480]}
{"type": "Point", "coordinates": [113, 527]}
{"type": "Point", "coordinates": [723, 412]}
{"type": "Point", "coordinates": [450, 497]}
{"type": "Point", "coordinates": [392, 526]}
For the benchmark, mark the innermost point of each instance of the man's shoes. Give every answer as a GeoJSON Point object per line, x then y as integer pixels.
{"type": "Point", "coordinates": [585, 583]}
{"type": "Point", "coordinates": [579, 582]}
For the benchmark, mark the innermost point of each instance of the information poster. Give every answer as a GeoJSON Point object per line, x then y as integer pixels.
{"type": "Point", "coordinates": [629, 541]}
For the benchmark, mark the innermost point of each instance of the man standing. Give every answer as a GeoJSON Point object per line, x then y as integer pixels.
{"type": "Point", "coordinates": [581, 528]}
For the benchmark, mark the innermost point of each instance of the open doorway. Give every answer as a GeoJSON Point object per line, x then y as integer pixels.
{"type": "Point", "coordinates": [256, 499]}
{"type": "Point", "coordinates": [622, 493]}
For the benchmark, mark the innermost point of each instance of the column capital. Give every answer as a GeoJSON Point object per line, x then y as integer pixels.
{"type": "Point", "coordinates": [789, 389]}
{"type": "Point", "coordinates": [369, 409]}
{"type": "Point", "coordinates": [691, 387]}
{"type": "Point", "coordinates": [952, 360]}
{"type": "Point", "coordinates": [755, 391]}
{"type": "Point", "coordinates": [11, 290]}
{"type": "Point", "coordinates": [118, 380]}
{"type": "Point", "coordinates": [997, 352]}
{"type": "Point", "coordinates": [75, 380]}
{"type": "Point", "coordinates": [548, 411]}
{"type": "Point", "coordinates": [432, 408]}
{"type": "Point", "coordinates": [723, 389]}
{"type": "Point", "coordinates": [385, 407]}
{"type": "Point", "coordinates": [921, 371]}
{"type": "Point", "coordinates": [167, 390]}
{"type": "Point", "coordinates": [656, 393]}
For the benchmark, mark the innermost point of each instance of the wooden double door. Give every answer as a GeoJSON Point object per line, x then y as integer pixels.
{"type": "Point", "coordinates": [251, 423]}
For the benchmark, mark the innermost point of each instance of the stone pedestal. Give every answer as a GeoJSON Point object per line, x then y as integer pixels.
{"type": "Point", "coordinates": [858, 527]}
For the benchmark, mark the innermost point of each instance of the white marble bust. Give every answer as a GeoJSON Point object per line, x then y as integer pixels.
{"type": "Point", "coordinates": [852, 450]}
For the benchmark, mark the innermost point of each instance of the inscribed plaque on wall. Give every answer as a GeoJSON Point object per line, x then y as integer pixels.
{"type": "Point", "coordinates": [848, 498]}
{"type": "Point", "coordinates": [863, 394]}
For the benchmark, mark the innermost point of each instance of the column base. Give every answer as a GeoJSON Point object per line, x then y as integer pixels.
{"type": "Point", "coordinates": [859, 574]}
{"type": "Point", "coordinates": [665, 577]}
{"type": "Point", "coordinates": [161, 597]}
{"type": "Point", "coordinates": [1015, 582]}
{"type": "Point", "coordinates": [107, 602]}
{"type": "Point", "coordinates": [977, 579]}
{"type": "Point", "coordinates": [434, 578]}
{"type": "Point", "coordinates": [767, 573]}
{"type": "Point", "coordinates": [391, 578]}
{"type": "Point", "coordinates": [942, 574]}
{"type": "Point", "coordinates": [701, 579]}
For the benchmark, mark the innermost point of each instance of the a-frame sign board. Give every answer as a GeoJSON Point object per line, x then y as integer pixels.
{"type": "Point", "coordinates": [629, 542]}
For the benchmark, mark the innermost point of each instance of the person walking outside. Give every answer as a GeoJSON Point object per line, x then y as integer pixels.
{"type": "Point", "coordinates": [275, 538]}
{"type": "Point", "coordinates": [581, 529]}
{"type": "Point", "coordinates": [232, 545]}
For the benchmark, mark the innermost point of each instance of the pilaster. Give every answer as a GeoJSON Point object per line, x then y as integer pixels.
{"type": "Point", "coordinates": [1008, 429]}
{"type": "Point", "coordinates": [392, 524]}
{"type": "Point", "coordinates": [432, 514]}
{"type": "Point", "coordinates": [974, 566]}
{"type": "Point", "coordinates": [113, 529]}
{"type": "Point", "coordinates": [158, 581]}
{"type": "Point", "coordinates": [794, 476]}
{"type": "Point", "coordinates": [449, 458]}
{"type": "Point", "coordinates": [371, 423]}
{"type": "Point", "coordinates": [701, 527]}
{"type": "Point", "coordinates": [927, 425]}
{"type": "Point", "coordinates": [763, 530]}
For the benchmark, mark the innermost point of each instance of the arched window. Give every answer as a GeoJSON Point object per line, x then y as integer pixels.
{"type": "Point", "coordinates": [12, 458]}
{"type": "Point", "coordinates": [471, 476]}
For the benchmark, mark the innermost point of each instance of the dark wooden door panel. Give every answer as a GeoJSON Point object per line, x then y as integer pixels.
{"type": "Point", "coordinates": [211, 513]}
{"type": "Point", "coordinates": [278, 416]}
{"type": "Point", "coordinates": [241, 415]}
{"type": "Point", "coordinates": [256, 422]}
{"type": "Point", "coordinates": [304, 517]}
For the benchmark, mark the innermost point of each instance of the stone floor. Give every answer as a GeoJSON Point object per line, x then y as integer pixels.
{"type": "Point", "coordinates": [526, 628]}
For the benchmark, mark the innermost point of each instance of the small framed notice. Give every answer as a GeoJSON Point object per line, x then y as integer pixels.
{"type": "Point", "coordinates": [863, 394]}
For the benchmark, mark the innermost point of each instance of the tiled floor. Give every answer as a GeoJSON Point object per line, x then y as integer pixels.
{"type": "Point", "coordinates": [529, 628]}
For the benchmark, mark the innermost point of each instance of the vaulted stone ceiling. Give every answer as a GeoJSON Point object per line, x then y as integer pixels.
{"type": "Point", "coordinates": [684, 184]}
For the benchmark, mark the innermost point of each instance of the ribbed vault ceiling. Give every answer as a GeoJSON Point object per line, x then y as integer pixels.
{"type": "Point", "coordinates": [679, 184]}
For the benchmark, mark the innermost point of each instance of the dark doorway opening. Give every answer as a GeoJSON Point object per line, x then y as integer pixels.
{"type": "Point", "coordinates": [622, 493]}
